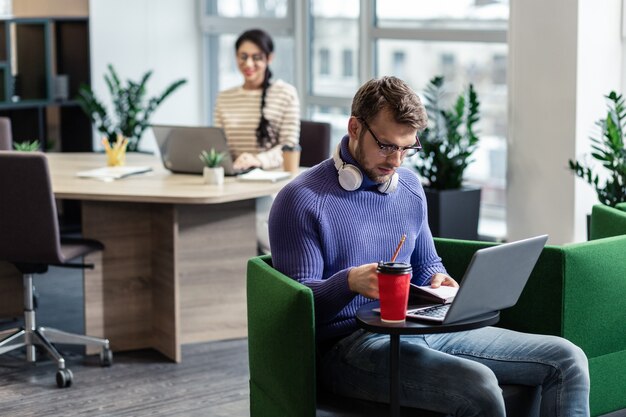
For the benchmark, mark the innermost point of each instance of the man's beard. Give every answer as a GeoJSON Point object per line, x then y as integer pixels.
{"type": "Point", "coordinates": [371, 174]}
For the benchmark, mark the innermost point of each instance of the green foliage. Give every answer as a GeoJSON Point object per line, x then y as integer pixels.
{"type": "Point", "coordinates": [27, 146]}
{"type": "Point", "coordinates": [609, 150]}
{"type": "Point", "coordinates": [131, 108]}
{"type": "Point", "coordinates": [212, 158]}
{"type": "Point", "coordinates": [450, 138]}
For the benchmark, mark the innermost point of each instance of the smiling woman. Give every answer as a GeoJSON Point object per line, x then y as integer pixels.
{"type": "Point", "coordinates": [262, 115]}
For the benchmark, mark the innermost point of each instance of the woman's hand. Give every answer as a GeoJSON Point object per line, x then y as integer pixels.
{"type": "Point", "coordinates": [246, 160]}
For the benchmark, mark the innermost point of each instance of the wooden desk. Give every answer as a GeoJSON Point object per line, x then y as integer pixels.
{"type": "Point", "coordinates": [173, 270]}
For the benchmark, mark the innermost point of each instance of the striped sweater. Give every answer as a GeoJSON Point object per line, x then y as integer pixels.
{"type": "Point", "coordinates": [318, 232]}
{"type": "Point", "coordinates": [238, 112]}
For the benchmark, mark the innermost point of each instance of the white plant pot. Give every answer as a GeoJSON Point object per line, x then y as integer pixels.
{"type": "Point", "coordinates": [213, 176]}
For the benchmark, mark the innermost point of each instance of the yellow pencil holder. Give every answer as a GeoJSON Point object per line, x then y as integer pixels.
{"type": "Point", "coordinates": [116, 152]}
{"type": "Point", "coordinates": [116, 157]}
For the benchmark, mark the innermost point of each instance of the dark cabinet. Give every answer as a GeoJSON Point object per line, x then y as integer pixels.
{"type": "Point", "coordinates": [43, 62]}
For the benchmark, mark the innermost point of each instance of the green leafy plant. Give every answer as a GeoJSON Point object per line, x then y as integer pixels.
{"type": "Point", "coordinates": [609, 150]}
{"type": "Point", "coordinates": [27, 146]}
{"type": "Point", "coordinates": [212, 158]}
{"type": "Point", "coordinates": [450, 138]}
{"type": "Point", "coordinates": [131, 109]}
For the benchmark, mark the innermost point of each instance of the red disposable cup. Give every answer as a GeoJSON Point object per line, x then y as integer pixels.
{"type": "Point", "coordinates": [393, 286]}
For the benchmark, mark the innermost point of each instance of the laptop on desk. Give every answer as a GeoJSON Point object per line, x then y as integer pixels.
{"type": "Point", "coordinates": [180, 148]}
{"type": "Point", "coordinates": [494, 280]}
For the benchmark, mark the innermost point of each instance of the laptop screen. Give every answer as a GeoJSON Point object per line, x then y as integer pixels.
{"type": "Point", "coordinates": [180, 147]}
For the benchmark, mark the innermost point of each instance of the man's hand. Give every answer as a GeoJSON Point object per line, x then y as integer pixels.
{"type": "Point", "coordinates": [364, 280]}
{"type": "Point", "coordinates": [246, 160]}
{"type": "Point", "coordinates": [442, 279]}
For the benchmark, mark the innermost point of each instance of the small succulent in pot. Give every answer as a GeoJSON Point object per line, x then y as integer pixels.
{"type": "Point", "coordinates": [212, 158]}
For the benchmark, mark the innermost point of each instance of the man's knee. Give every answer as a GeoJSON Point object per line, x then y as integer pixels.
{"type": "Point", "coordinates": [574, 361]}
{"type": "Point", "coordinates": [484, 394]}
{"type": "Point", "coordinates": [478, 392]}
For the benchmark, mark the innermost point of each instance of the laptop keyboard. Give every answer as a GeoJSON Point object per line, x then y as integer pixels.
{"type": "Point", "coordinates": [438, 311]}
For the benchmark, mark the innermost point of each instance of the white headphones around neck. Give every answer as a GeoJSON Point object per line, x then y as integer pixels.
{"type": "Point", "coordinates": [351, 178]}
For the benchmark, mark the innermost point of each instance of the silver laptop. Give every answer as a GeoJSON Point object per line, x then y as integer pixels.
{"type": "Point", "coordinates": [180, 147]}
{"type": "Point", "coordinates": [494, 280]}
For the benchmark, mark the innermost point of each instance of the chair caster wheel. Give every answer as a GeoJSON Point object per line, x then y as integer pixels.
{"type": "Point", "coordinates": [64, 378]}
{"type": "Point", "coordinates": [106, 357]}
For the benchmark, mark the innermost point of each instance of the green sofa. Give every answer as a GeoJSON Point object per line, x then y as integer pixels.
{"type": "Point", "coordinates": [577, 291]}
{"type": "Point", "coordinates": [608, 221]}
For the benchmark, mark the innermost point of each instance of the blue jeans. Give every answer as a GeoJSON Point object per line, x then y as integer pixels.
{"type": "Point", "coordinates": [459, 373]}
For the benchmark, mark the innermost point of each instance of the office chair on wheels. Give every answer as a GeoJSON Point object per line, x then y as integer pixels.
{"type": "Point", "coordinates": [30, 241]}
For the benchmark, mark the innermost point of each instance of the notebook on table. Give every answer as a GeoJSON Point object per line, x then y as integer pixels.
{"type": "Point", "coordinates": [180, 147]}
{"type": "Point", "coordinates": [494, 280]}
{"type": "Point", "coordinates": [113, 173]}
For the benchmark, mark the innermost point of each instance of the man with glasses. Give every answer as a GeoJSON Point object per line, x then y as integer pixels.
{"type": "Point", "coordinates": [331, 225]}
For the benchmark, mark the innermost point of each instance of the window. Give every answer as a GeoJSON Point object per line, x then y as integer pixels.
{"type": "Point", "coordinates": [398, 64]}
{"type": "Point", "coordinates": [469, 15]}
{"type": "Point", "coordinates": [335, 28]}
{"type": "Point", "coordinates": [464, 41]}
{"type": "Point", "coordinates": [448, 66]}
{"type": "Point", "coordinates": [348, 67]}
{"type": "Point", "coordinates": [247, 8]}
{"type": "Point", "coordinates": [498, 70]}
{"type": "Point", "coordinates": [324, 61]}
{"type": "Point", "coordinates": [223, 20]}
{"type": "Point", "coordinates": [344, 43]}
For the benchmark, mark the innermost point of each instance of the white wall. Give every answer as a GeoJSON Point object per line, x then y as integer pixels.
{"type": "Point", "coordinates": [159, 35]}
{"type": "Point", "coordinates": [564, 57]}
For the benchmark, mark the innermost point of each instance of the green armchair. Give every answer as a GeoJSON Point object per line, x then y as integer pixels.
{"type": "Point", "coordinates": [282, 355]}
{"type": "Point", "coordinates": [577, 291]}
{"type": "Point", "coordinates": [281, 343]}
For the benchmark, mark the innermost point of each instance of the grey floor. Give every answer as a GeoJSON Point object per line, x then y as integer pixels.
{"type": "Point", "coordinates": [212, 379]}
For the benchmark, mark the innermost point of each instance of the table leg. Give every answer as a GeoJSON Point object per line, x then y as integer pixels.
{"type": "Point", "coordinates": [394, 374]}
{"type": "Point", "coordinates": [170, 274]}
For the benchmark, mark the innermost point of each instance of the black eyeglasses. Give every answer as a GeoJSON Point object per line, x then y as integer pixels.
{"type": "Point", "coordinates": [256, 58]}
{"type": "Point", "coordinates": [388, 150]}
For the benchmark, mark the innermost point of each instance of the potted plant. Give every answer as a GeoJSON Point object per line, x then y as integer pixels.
{"type": "Point", "coordinates": [27, 146]}
{"type": "Point", "coordinates": [448, 144]}
{"type": "Point", "coordinates": [609, 151]}
{"type": "Point", "coordinates": [131, 108]}
{"type": "Point", "coordinates": [213, 172]}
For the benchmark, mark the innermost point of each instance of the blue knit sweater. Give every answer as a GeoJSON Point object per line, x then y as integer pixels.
{"type": "Point", "coordinates": [318, 232]}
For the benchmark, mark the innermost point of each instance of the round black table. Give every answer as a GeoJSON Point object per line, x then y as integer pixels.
{"type": "Point", "coordinates": [370, 320]}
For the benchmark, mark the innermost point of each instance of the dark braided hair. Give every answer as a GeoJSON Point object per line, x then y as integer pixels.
{"type": "Point", "coordinates": [265, 135]}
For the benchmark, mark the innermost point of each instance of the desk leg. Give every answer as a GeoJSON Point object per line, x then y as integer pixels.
{"type": "Point", "coordinates": [119, 292]}
{"type": "Point", "coordinates": [394, 374]}
{"type": "Point", "coordinates": [170, 274]}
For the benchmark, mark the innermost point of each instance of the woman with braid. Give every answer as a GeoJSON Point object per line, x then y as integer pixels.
{"type": "Point", "coordinates": [262, 115]}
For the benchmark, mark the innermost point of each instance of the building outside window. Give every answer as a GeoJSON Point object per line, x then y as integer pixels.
{"type": "Point", "coordinates": [348, 63]}
{"type": "Point", "coordinates": [324, 61]}
{"type": "Point", "coordinates": [398, 64]}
